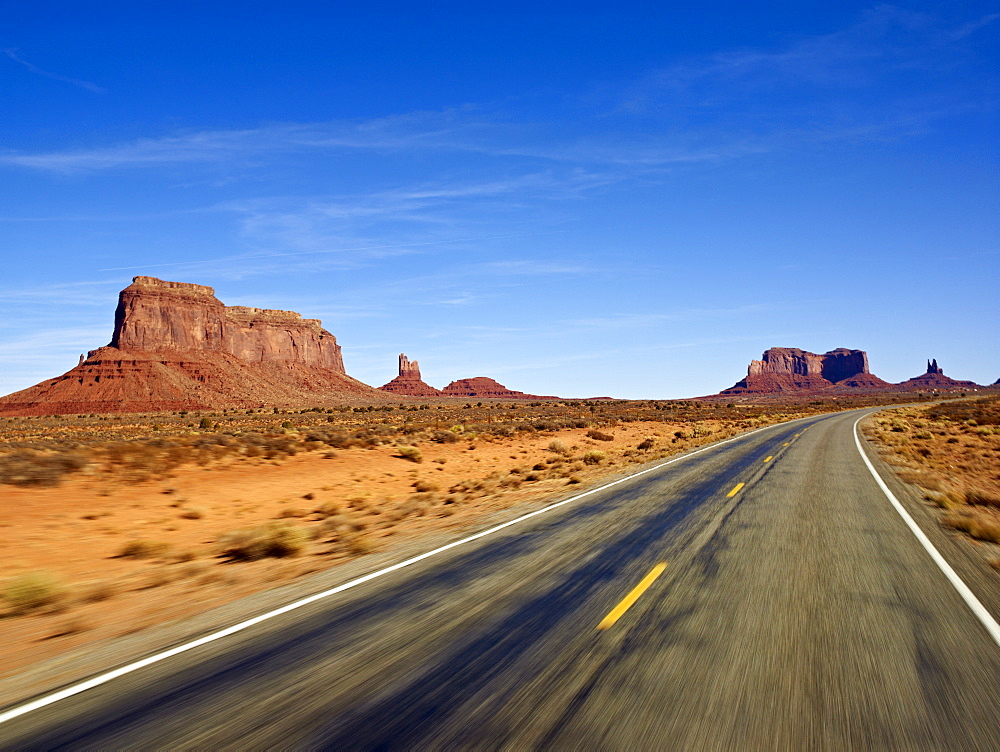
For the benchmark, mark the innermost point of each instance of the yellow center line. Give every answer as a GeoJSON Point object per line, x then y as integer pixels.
{"type": "Point", "coordinates": [785, 444]}
{"type": "Point", "coordinates": [769, 458]}
{"type": "Point", "coordinates": [618, 611]}
{"type": "Point", "coordinates": [736, 490]}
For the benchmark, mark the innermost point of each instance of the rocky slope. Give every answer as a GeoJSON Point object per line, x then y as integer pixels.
{"type": "Point", "coordinates": [408, 382]}
{"type": "Point", "coordinates": [482, 387]}
{"type": "Point", "coordinates": [176, 346]}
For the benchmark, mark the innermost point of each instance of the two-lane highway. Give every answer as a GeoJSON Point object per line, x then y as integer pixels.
{"type": "Point", "coordinates": [761, 593]}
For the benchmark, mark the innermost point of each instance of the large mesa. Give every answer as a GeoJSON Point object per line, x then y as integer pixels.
{"type": "Point", "coordinates": [176, 346]}
{"type": "Point", "coordinates": [789, 369]}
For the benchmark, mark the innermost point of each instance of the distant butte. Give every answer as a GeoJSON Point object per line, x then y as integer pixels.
{"type": "Point", "coordinates": [408, 381]}
{"type": "Point", "coordinates": [176, 346]}
{"type": "Point", "coordinates": [791, 370]}
{"type": "Point", "coordinates": [482, 387]}
{"type": "Point", "coordinates": [934, 378]}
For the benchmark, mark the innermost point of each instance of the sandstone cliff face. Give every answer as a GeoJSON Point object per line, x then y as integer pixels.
{"type": "Point", "coordinates": [176, 346]}
{"type": "Point", "coordinates": [408, 369]}
{"type": "Point", "coordinates": [408, 382]}
{"type": "Point", "coordinates": [789, 369]}
{"type": "Point", "coordinates": [154, 315]}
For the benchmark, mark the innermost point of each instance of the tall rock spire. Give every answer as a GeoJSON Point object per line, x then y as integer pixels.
{"type": "Point", "coordinates": [408, 381]}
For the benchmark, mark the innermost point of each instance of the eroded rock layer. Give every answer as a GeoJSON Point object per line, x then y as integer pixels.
{"type": "Point", "coordinates": [176, 346]}
{"type": "Point", "coordinates": [154, 315]}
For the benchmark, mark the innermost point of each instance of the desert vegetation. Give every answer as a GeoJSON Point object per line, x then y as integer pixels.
{"type": "Point", "coordinates": [161, 515]}
{"type": "Point", "coordinates": [951, 451]}
{"type": "Point", "coordinates": [135, 448]}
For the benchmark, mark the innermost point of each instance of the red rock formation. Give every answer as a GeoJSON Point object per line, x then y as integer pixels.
{"type": "Point", "coordinates": [176, 346]}
{"type": "Point", "coordinates": [408, 381]}
{"type": "Point", "coordinates": [482, 387]}
{"type": "Point", "coordinates": [409, 369]}
{"type": "Point", "coordinates": [935, 380]}
{"type": "Point", "coordinates": [154, 315]}
{"type": "Point", "coordinates": [789, 369]}
{"type": "Point", "coordinates": [864, 381]}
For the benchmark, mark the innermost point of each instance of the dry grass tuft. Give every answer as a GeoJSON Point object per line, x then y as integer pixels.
{"type": "Point", "coordinates": [411, 453]}
{"type": "Point", "coordinates": [977, 497]}
{"type": "Point", "coordinates": [143, 549]}
{"type": "Point", "coordinates": [34, 469]}
{"type": "Point", "coordinates": [101, 590]}
{"type": "Point", "coordinates": [976, 526]}
{"type": "Point", "coordinates": [273, 540]}
{"type": "Point", "coordinates": [358, 543]}
{"type": "Point", "coordinates": [559, 447]}
{"type": "Point", "coordinates": [33, 590]}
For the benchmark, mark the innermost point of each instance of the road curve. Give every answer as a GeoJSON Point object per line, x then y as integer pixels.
{"type": "Point", "coordinates": [761, 594]}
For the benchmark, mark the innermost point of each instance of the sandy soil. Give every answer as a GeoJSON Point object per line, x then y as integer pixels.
{"type": "Point", "coordinates": [349, 502]}
{"type": "Point", "coordinates": [952, 455]}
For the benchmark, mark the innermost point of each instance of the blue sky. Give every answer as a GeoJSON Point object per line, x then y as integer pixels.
{"type": "Point", "coordinates": [582, 199]}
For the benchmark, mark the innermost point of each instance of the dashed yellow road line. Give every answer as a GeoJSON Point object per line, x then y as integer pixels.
{"type": "Point", "coordinates": [785, 444]}
{"type": "Point", "coordinates": [769, 458]}
{"type": "Point", "coordinates": [618, 611]}
{"type": "Point", "coordinates": [736, 490]}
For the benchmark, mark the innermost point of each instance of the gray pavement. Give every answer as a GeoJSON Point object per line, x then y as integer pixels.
{"type": "Point", "coordinates": [797, 613]}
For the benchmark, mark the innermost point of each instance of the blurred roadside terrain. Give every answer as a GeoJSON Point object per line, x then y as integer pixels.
{"type": "Point", "coordinates": [951, 453]}
{"type": "Point", "coordinates": [113, 523]}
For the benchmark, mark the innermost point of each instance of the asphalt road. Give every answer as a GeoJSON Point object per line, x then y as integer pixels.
{"type": "Point", "coordinates": [797, 612]}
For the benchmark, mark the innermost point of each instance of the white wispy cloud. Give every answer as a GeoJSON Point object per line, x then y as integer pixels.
{"type": "Point", "coordinates": [637, 320]}
{"type": "Point", "coordinates": [446, 129]}
{"type": "Point", "coordinates": [12, 53]}
{"type": "Point", "coordinates": [39, 345]}
{"type": "Point", "coordinates": [873, 80]}
{"type": "Point", "coordinates": [83, 293]}
{"type": "Point", "coordinates": [344, 231]}
{"type": "Point", "coordinates": [724, 106]}
{"type": "Point", "coordinates": [970, 28]}
{"type": "Point", "coordinates": [839, 59]}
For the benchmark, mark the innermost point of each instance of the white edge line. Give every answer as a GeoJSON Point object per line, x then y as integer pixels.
{"type": "Point", "coordinates": [104, 678]}
{"type": "Point", "coordinates": [968, 596]}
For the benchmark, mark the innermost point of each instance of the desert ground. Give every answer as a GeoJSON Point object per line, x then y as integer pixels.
{"type": "Point", "coordinates": [951, 453]}
{"type": "Point", "coordinates": [114, 523]}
